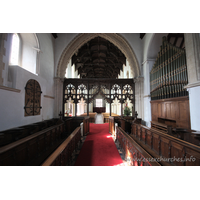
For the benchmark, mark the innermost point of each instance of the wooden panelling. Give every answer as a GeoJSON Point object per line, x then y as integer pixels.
{"type": "Point", "coordinates": [156, 143]}
{"type": "Point", "coordinates": [99, 109]}
{"type": "Point", "coordinates": [165, 147]}
{"type": "Point", "coordinates": [168, 110]}
{"type": "Point", "coordinates": [175, 109]}
{"type": "Point", "coordinates": [163, 110]}
{"type": "Point", "coordinates": [159, 109]}
{"type": "Point", "coordinates": [149, 138]}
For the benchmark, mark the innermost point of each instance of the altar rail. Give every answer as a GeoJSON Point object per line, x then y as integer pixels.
{"type": "Point", "coordinates": [31, 148]}
{"type": "Point", "coordinates": [134, 153]}
{"type": "Point", "coordinates": [171, 150]}
{"type": "Point", "coordinates": [62, 155]}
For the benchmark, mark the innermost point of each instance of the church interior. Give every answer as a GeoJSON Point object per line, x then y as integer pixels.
{"type": "Point", "coordinates": [99, 100]}
{"type": "Point", "coordinates": [140, 88]}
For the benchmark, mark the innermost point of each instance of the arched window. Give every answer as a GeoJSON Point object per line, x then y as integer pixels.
{"type": "Point", "coordinates": [32, 98]}
{"type": "Point", "coordinates": [14, 59]}
{"type": "Point", "coordinates": [25, 51]}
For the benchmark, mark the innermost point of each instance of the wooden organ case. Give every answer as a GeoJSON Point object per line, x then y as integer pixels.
{"type": "Point", "coordinates": [169, 99]}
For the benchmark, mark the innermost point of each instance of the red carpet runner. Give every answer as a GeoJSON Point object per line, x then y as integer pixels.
{"type": "Point", "coordinates": [99, 148]}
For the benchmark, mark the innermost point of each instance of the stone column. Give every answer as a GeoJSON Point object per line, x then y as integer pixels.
{"type": "Point", "coordinates": [139, 88]}
{"type": "Point", "coordinates": [147, 66]}
{"type": "Point", "coordinates": [192, 47]}
{"type": "Point", "coordinates": [58, 103]}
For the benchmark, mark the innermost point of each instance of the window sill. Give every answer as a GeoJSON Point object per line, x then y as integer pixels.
{"type": "Point", "coordinates": [9, 89]}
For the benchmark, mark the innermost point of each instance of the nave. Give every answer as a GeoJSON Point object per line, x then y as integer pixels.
{"type": "Point", "coordinates": [99, 148]}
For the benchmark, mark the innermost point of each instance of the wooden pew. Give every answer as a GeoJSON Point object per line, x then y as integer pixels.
{"type": "Point", "coordinates": [33, 149]}
{"type": "Point", "coordinates": [171, 150]}
{"type": "Point", "coordinates": [107, 115]}
{"type": "Point", "coordinates": [111, 125]}
{"type": "Point", "coordinates": [71, 123]}
{"type": "Point", "coordinates": [162, 127]}
{"type": "Point", "coordinates": [91, 115]}
{"type": "Point", "coordinates": [124, 123]}
{"type": "Point", "coordinates": [14, 134]}
{"type": "Point", "coordinates": [135, 154]}
{"type": "Point", "coordinates": [62, 155]}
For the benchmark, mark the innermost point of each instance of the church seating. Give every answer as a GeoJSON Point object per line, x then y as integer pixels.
{"type": "Point", "coordinates": [162, 126]}
{"type": "Point", "coordinates": [91, 115]}
{"type": "Point", "coordinates": [63, 154]}
{"type": "Point", "coordinates": [33, 149]}
{"type": "Point", "coordinates": [14, 134]}
{"type": "Point", "coordinates": [106, 116]}
{"type": "Point", "coordinates": [71, 123]}
{"type": "Point", "coordinates": [134, 153]}
{"type": "Point", "coordinates": [124, 123]}
{"type": "Point", "coordinates": [172, 150]}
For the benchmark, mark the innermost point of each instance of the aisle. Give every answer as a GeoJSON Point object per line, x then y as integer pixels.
{"type": "Point", "coordinates": [99, 148]}
{"type": "Point", "coordinates": [99, 119]}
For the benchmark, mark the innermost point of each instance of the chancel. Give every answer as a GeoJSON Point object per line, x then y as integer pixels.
{"type": "Point", "coordinates": [99, 99]}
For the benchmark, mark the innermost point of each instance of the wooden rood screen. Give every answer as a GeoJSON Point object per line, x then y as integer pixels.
{"type": "Point", "coordinates": [88, 89]}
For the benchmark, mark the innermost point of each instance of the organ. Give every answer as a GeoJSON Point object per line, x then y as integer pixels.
{"type": "Point", "coordinates": [169, 98]}
{"type": "Point", "coordinates": [169, 73]}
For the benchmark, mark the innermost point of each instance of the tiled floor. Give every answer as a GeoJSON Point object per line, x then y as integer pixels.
{"type": "Point", "coordinates": [99, 119]}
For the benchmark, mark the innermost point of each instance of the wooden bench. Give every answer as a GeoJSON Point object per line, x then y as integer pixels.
{"type": "Point", "coordinates": [71, 123]}
{"type": "Point", "coordinates": [161, 145]}
{"type": "Point", "coordinates": [162, 127]}
{"type": "Point", "coordinates": [62, 155]}
{"type": "Point", "coordinates": [32, 149]}
{"type": "Point", "coordinates": [107, 115]}
{"type": "Point", "coordinates": [14, 134]}
{"type": "Point", "coordinates": [91, 115]}
{"type": "Point", "coordinates": [136, 154]}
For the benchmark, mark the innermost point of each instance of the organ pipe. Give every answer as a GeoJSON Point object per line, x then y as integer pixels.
{"type": "Point", "coordinates": [169, 73]}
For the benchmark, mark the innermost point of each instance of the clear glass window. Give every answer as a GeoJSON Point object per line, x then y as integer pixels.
{"type": "Point", "coordinates": [15, 50]}
{"type": "Point", "coordinates": [99, 103]}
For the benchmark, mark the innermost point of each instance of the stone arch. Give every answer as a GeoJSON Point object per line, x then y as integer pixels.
{"type": "Point", "coordinates": [154, 45]}
{"type": "Point", "coordinates": [82, 38]}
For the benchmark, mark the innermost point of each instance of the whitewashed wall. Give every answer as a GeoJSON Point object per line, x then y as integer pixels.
{"type": "Point", "coordinates": [12, 103]}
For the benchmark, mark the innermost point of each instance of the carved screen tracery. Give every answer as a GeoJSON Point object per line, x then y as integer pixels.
{"type": "Point", "coordinates": [32, 98]}
{"type": "Point", "coordinates": [70, 92]}
{"type": "Point", "coordinates": [82, 92]}
{"type": "Point", "coordinates": [112, 90]}
{"type": "Point", "coordinates": [127, 93]}
{"type": "Point", "coordinates": [116, 92]}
